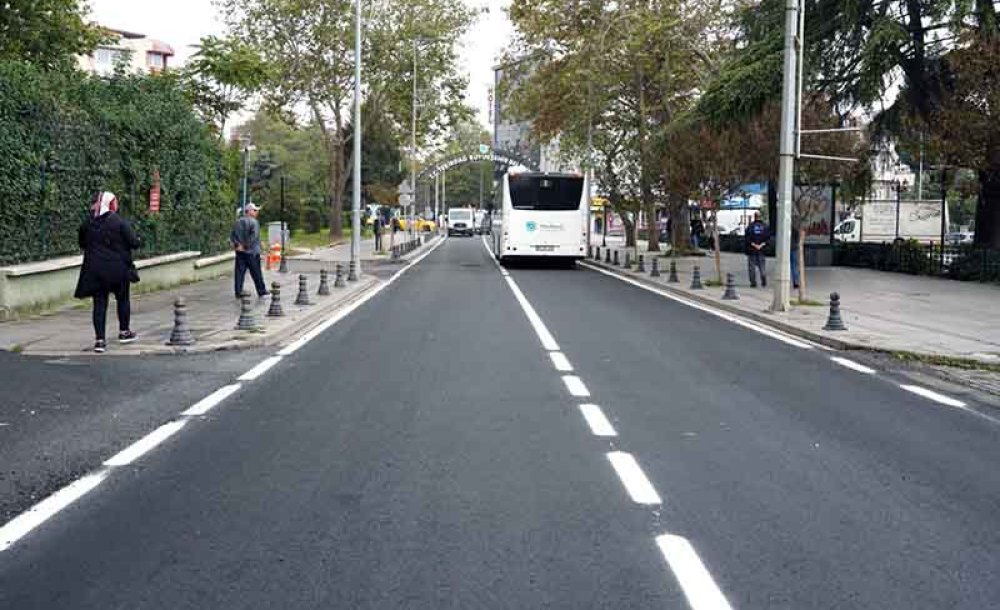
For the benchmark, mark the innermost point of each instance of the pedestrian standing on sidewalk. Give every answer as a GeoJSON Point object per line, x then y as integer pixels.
{"type": "Point", "coordinates": [697, 230]}
{"type": "Point", "coordinates": [107, 241]}
{"type": "Point", "coordinates": [756, 237]}
{"type": "Point", "coordinates": [245, 238]}
{"type": "Point", "coordinates": [795, 256]}
{"type": "Point", "coordinates": [377, 229]}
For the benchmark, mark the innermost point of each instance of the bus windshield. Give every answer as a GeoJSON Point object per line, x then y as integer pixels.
{"type": "Point", "coordinates": [551, 193]}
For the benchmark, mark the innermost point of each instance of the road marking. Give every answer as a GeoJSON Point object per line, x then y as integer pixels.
{"type": "Point", "coordinates": [145, 444]}
{"type": "Point", "coordinates": [633, 478]}
{"type": "Point", "coordinates": [561, 362]}
{"type": "Point", "coordinates": [699, 588]}
{"type": "Point", "coordinates": [853, 365]}
{"type": "Point", "coordinates": [931, 394]}
{"type": "Point", "coordinates": [489, 253]}
{"type": "Point", "coordinates": [598, 423]}
{"type": "Point", "coordinates": [260, 369]}
{"type": "Point", "coordinates": [299, 343]}
{"type": "Point", "coordinates": [548, 342]}
{"type": "Point", "coordinates": [719, 314]}
{"type": "Point", "coordinates": [205, 404]}
{"type": "Point", "coordinates": [575, 386]}
{"type": "Point", "coordinates": [21, 525]}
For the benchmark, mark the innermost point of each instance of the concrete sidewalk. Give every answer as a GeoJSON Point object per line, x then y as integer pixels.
{"type": "Point", "coordinates": [212, 312]}
{"type": "Point", "coordinates": [890, 312]}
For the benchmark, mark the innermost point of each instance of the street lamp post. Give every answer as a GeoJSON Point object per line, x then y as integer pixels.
{"type": "Point", "coordinates": [283, 266]}
{"type": "Point", "coordinates": [355, 268]}
{"type": "Point", "coordinates": [604, 227]}
{"type": "Point", "coordinates": [786, 159]}
{"type": "Point", "coordinates": [899, 187]}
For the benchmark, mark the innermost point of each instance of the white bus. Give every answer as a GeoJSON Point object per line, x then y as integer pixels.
{"type": "Point", "coordinates": [540, 215]}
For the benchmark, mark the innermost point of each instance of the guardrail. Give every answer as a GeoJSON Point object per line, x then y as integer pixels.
{"type": "Point", "coordinates": [963, 262]}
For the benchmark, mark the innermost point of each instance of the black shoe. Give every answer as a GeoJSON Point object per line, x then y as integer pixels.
{"type": "Point", "coordinates": [127, 336]}
{"type": "Point", "coordinates": [763, 282]}
{"type": "Point", "coordinates": [264, 294]}
{"type": "Point", "coordinates": [100, 346]}
{"type": "Point", "coordinates": [752, 285]}
{"type": "Point", "coordinates": [795, 286]}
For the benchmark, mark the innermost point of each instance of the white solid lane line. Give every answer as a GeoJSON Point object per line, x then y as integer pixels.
{"type": "Point", "coordinates": [299, 343]}
{"type": "Point", "coordinates": [932, 395]}
{"type": "Point", "coordinates": [719, 314]}
{"type": "Point", "coordinates": [548, 341]}
{"type": "Point", "coordinates": [260, 369]}
{"type": "Point", "coordinates": [633, 478]}
{"type": "Point", "coordinates": [19, 526]}
{"type": "Point", "coordinates": [854, 366]}
{"type": "Point", "coordinates": [145, 444]}
{"type": "Point", "coordinates": [205, 404]}
{"type": "Point", "coordinates": [699, 588]}
{"type": "Point", "coordinates": [561, 362]}
{"type": "Point", "coordinates": [575, 386]}
{"type": "Point", "coordinates": [598, 423]}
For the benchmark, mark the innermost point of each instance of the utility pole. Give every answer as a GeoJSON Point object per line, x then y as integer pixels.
{"type": "Point", "coordinates": [786, 163]}
{"type": "Point", "coordinates": [413, 144]}
{"type": "Point", "coordinates": [355, 268]}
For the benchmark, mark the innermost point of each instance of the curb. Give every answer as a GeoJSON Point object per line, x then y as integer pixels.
{"type": "Point", "coordinates": [815, 337]}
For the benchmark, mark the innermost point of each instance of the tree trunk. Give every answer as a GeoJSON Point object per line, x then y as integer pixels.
{"type": "Point", "coordinates": [336, 192]}
{"type": "Point", "coordinates": [988, 207]}
{"type": "Point", "coordinates": [628, 224]}
{"type": "Point", "coordinates": [645, 188]}
{"type": "Point", "coordinates": [680, 225]}
{"type": "Point", "coordinates": [718, 249]}
{"type": "Point", "coordinates": [801, 253]}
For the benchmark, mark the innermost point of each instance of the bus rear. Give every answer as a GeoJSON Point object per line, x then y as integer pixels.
{"type": "Point", "coordinates": [543, 215]}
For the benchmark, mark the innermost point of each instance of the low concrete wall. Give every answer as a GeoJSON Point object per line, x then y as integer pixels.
{"type": "Point", "coordinates": [34, 286]}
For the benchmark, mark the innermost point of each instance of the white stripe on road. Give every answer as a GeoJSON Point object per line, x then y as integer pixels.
{"type": "Point", "coordinates": [299, 343]}
{"type": "Point", "coordinates": [561, 362]}
{"type": "Point", "coordinates": [260, 369]}
{"type": "Point", "coordinates": [548, 341]}
{"type": "Point", "coordinates": [598, 423]}
{"type": "Point", "coordinates": [145, 444]}
{"type": "Point", "coordinates": [205, 404]}
{"type": "Point", "coordinates": [633, 478]}
{"type": "Point", "coordinates": [575, 386]}
{"type": "Point", "coordinates": [489, 253]}
{"type": "Point", "coordinates": [699, 588]}
{"type": "Point", "coordinates": [21, 525]}
{"type": "Point", "coordinates": [931, 394]}
{"type": "Point", "coordinates": [854, 366]}
{"type": "Point", "coordinates": [719, 314]}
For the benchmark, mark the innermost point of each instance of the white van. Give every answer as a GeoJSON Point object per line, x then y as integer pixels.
{"type": "Point", "coordinates": [461, 222]}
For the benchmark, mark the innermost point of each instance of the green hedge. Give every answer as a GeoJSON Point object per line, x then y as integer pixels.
{"type": "Point", "coordinates": [66, 135]}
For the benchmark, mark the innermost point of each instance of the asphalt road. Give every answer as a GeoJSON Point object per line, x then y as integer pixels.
{"type": "Point", "coordinates": [425, 452]}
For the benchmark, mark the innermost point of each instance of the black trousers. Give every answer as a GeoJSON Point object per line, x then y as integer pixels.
{"type": "Point", "coordinates": [101, 311]}
{"type": "Point", "coordinates": [249, 262]}
{"type": "Point", "coordinates": [378, 239]}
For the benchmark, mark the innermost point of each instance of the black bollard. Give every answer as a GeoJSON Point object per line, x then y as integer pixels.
{"type": "Point", "coordinates": [324, 285]}
{"type": "Point", "coordinates": [339, 282]}
{"type": "Point", "coordinates": [181, 334]}
{"type": "Point", "coordinates": [834, 322]}
{"type": "Point", "coordinates": [597, 254]}
{"type": "Point", "coordinates": [696, 278]}
{"type": "Point", "coordinates": [730, 293]}
{"type": "Point", "coordinates": [654, 270]}
{"type": "Point", "coordinates": [607, 255]}
{"type": "Point", "coordinates": [275, 310]}
{"type": "Point", "coordinates": [303, 296]}
{"type": "Point", "coordinates": [628, 260]}
{"type": "Point", "coordinates": [352, 274]}
{"type": "Point", "coordinates": [614, 260]}
{"type": "Point", "coordinates": [247, 321]}
{"type": "Point", "coordinates": [590, 251]}
{"type": "Point", "coordinates": [642, 265]}
{"type": "Point", "coordinates": [672, 278]}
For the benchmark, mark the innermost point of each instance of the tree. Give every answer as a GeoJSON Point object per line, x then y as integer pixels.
{"type": "Point", "coordinates": [310, 44]}
{"type": "Point", "coordinates": [48, 33]}
{"type": "Point", "coordinates": [221, 75]}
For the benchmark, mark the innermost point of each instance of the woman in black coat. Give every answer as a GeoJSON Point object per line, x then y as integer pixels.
{"type": "Point", "coordinates": [107, 241]}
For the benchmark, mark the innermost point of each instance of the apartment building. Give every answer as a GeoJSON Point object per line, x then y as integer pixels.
{"type": "Point", "coordinates": [138, 53]}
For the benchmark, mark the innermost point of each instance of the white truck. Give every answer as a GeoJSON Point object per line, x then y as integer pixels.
{"type": "Point", "coordinates": [876, 222]}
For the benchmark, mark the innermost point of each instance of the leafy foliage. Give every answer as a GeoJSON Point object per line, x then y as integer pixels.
{"type": "Point", "coordinates": [48, 33]}
{"type": "Point", "coordinates": [65, 135]}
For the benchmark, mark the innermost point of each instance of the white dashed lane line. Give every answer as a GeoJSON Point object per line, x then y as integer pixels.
{"type": "Point", "coordinates": [21, 525]}
{"type": "Point", "coordinates": [598, 423]}
{"type": "Point", "coordinates": [560, 361]}
{"type": "Point", "coordinates": [699, 588]}
{"type": "Point", "coordinates": [145, 444]}
{"type": "Point", "coordinates": [576, 386]}
{"type": "Point", "coordinates": [212, 400]}
{"type": "Point", "coordinates": [854, 366]}
{"type": "Point", "coordinates": [633, 478]}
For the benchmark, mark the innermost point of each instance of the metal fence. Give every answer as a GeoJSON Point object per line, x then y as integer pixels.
{"type": "Point", "coordinates": [961, 262]}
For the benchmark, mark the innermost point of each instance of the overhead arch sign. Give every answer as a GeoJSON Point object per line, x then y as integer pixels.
{"type": "Point", "coordinates": [498, 157]}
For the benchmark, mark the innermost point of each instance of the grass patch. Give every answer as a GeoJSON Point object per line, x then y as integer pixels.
{"type": "Point", "coordinates": [958, 363]}
{"type": "Point", "coordinates": [712, 283]}
{"type": "Point", "coordinates": [806, 303]}
{"type": "Point", "coordinates": [17, 348]}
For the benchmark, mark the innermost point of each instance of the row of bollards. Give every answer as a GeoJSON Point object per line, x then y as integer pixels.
{"type": "Point", "coordinates": [181, 335]}
{"type": "Point", "coordinates": [405, 247]}
{"type": "Point", "coordinates": [834, 321]}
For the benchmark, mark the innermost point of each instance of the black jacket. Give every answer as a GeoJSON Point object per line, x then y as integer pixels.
{"type": "Point", "coordinates": [107, 243]}
{"type": "Point", "coordinates": [756, 233]}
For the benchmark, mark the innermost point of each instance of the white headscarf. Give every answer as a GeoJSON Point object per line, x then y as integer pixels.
{"type": "Point", "coordinates": [106, 202]}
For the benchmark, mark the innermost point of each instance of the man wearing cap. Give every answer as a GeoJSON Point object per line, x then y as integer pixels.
{"type": "Point", "coordinates": [245, 238]}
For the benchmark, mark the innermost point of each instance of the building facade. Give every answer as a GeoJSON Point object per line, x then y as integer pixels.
{"type": "Point", "coordinates": [138, 54]}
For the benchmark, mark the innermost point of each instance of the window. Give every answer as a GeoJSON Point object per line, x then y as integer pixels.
{"type": "Point", "coordinates": [540, 192]}
{"type": "Point", "coordinates": [103, 57]}
{"type": "Point", "coordinates": [155, 60]}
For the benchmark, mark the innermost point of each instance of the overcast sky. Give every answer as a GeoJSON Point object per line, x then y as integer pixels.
{"type": "Point", "coordinates": [181, 23]}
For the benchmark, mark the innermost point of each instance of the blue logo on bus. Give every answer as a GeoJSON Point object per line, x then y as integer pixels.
{"type": "Point", "coordinates": [531, 226]}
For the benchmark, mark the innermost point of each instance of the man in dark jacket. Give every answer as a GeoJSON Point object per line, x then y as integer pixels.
{"type": "Point", "coordinates": [245, 238]}
{"type": "Point", "coordinates": [756, 237]}
{"type": "Point", "coordinates": [107, 242]}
